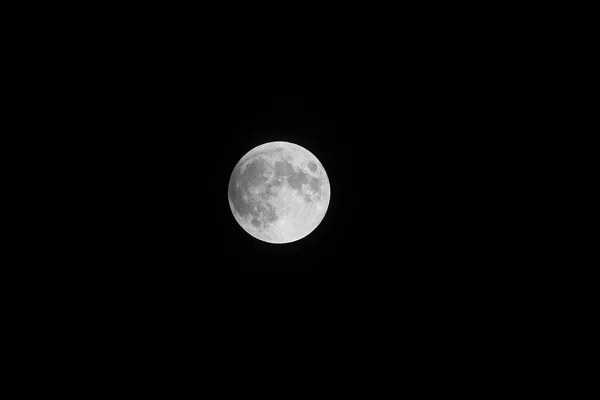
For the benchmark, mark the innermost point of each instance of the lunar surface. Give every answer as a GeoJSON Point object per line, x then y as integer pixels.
{"type": "Point", "coordinates": [279, 192]}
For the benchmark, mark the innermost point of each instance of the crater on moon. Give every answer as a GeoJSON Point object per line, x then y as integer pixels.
{"type": "Point", "coordinates": [279, 192]}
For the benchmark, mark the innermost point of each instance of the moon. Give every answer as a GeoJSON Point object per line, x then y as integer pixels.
{"type": "Point", "coordinates": [279, 192]}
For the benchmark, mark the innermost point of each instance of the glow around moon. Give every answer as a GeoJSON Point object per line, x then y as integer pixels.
{"type": "Point", "coordinates": [279, 192]}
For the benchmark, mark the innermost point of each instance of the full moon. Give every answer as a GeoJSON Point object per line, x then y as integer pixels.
{"type": "Point", "coordinates": [279, 192]}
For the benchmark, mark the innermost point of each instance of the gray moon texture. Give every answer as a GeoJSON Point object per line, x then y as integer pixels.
{"type": "Point", "coordinates": [279, 192]}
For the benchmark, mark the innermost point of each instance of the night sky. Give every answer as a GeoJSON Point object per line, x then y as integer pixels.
{"type": "Point", "coordinates": [146, 117]}
{"type": "Point", "coordinates": [393, 122]}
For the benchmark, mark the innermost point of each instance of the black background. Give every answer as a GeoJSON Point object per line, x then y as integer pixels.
{"type": "Point", "coordinates": [147, 114]}
{"type": "Point", "coordinates": [160, 113]}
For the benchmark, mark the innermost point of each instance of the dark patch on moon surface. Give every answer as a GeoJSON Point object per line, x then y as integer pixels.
{"type": "Point", "coordinates": [271, 152]}
{"type": "Point", "coordinates": [312, 166]}
{"type": "Point", "coordinates": [257, 205]}
{"type": "Point", "coordinates": [283, 168]}
{"type": "Point", "coordinates": [241, 183]}
{"type": "Point", "coordinates": [315, 184]}
{"type": "Point", "coordinates": [295, 178]}
{"type": "Point", "coordinates": [254, 171]}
